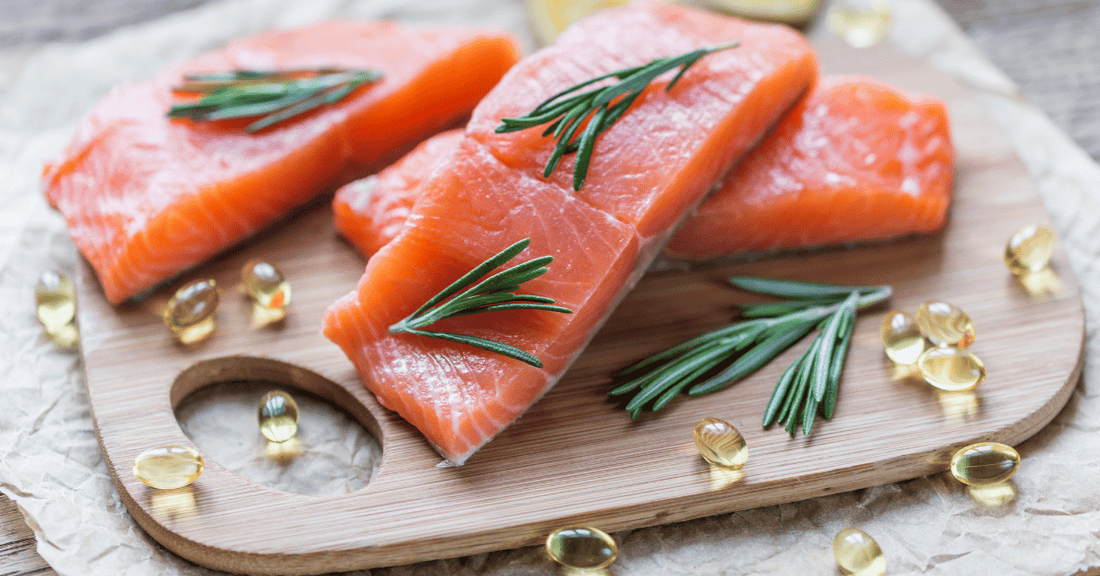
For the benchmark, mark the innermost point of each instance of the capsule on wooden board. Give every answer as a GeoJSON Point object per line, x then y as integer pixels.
{"type": "Point", "coordinates": [190, 312]}
{"type": "Point", "coordinates": [720, 443]}
{"type": "Point", "coordinates": [945, 324]}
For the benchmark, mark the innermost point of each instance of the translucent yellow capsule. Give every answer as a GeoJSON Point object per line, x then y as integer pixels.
{"type": "Point", "coordinates": [190, 313]}
{"type": "Point", "coordinates": [985, 463]}
{"type": "Point", "coordinates": [860, 27]}
{"type": "Point", "coordinates": [858, 554]}
{"type": "Point", "coordinates": [1029, 249]}
{"type": "Point", "coordinates": [265, 284]}
{"type": "Point", "coordinates": [720, 443]}
{"type": "Point", "coordinates": [951, 369]}
{"type": "Point", "coordinates": [278, 416]}
{"type": "Point", "coordinates": [901, 337]}
{"type": "Point", "coordinates": [55, 300]}
{"type": "Point", "coordinates": [168, 467]}
{"type": "Point", "coordinates": [945, 324]}
{"type": "Point", "coordinates": [794, 12]}
{"type": "Point", "coordinates": [582, 547]}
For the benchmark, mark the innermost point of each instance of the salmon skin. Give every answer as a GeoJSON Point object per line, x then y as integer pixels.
{"type": "Point", "coordinates": [647, 172]}
{"type": "Point", "coordinates": [146, 197]}
{"type": "Point", "coordinates": [890, 156]}
{"type": "Point", "coordinates": [856, 160]}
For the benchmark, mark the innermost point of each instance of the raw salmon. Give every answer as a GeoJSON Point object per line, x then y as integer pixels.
{"type": "Point", "coordinates": [889, 154]}
{"type": "Point", "coordinates": [856, 160]}
{"type": "Point", "coordinates": [648, 170]}
{"type": "Point", "coordinates": [369, 212]}
{"type": "Point", "coordinates": [146, 197]}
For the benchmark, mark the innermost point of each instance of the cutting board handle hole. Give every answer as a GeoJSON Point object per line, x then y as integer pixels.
{"type": "Point", "coordinates": [338, 446]}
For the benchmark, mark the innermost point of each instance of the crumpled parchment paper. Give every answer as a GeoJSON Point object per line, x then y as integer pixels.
{"type": "Point", "coordinates": [50, 462]}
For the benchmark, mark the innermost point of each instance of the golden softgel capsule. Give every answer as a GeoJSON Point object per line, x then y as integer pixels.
{"type": "Point", "coordinates": [55, 300]}
{"type": "Point", "coordinates": [265, 284]}
{"type": "Point", "coordinates": [190, 312]}
{"type": "Point", "coordinates": [858, 554]}
{"type": "Point", "coordinates": [168, 467]}
{"type": "Point", "coordinates": [901, 338]}
{"type": "Point", "coordinates": [985, 463]}
{"type": "Point", "coordinates": [720, 443]}
{"type": "Point", "coordinates": [860, 27]}
{"type": "Point", "coordinates": [581, 547]}
{"type": "Point", "coordinates": [951, 369]}
{"type": "Point", "coordinates": [1029, 249]}
{"type": "Point", "coordinates": [278, 416]}
{"type": "Point", "coordinates": [945, 324]}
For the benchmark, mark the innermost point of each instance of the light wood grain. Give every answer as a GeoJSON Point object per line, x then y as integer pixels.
{"type": "Point", "coordinates": [17, 553]}
{"type": "Point", "coordinates": [574, 457]}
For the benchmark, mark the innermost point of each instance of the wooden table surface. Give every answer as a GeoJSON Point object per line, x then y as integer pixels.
{"type": "Point", "coordinates": [1049, 47]}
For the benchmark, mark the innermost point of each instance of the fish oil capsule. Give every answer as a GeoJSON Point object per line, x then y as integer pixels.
{"type": "Point", "coordinates": [265, 284]}
{"type": "Point", "coordinates": [190, 313]}
{"type": "Point", "coordinates": [794, 12]}
{"type": "Point", "coordinates": [168, 467]}
{"type": "Point", "coordinates": [55, 300]}
{"type": "Point", "coordinates": [720, 443]}
{"type": "Point", "coordinates": [951, 369]}
{"type": "Point", "coordinates": [901, 337]}
{"type": "Point", "coordinates": [278, 416]}
{"type": "Point", "coordinates": [857, 554]}
{"type": "Point", "coordinates": [582, 547]}
{"type": "Point", "coordinates": [1029, 249]}
{"type": "Point", "coordinates": [985, 463]}
{"type": "Point", "coordinates": [860, 27]}
{"type": "Point", "coordinates": [945, 324]}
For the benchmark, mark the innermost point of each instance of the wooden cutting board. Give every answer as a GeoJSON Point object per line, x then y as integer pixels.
{"type": "Point", "coordinates": [574, 457]}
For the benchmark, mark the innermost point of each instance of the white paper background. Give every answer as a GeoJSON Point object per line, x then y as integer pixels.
{"type": "Point", "coordinates": [50, 463]}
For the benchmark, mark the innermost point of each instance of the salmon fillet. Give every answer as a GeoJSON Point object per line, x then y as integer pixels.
{"type": "Point", "coordinates": [369, 212]}
{"type": "Point", "coordinates": [856, 160]}
{"type": "Point", "coordinates": [146, 197]}
{"type": "Point", "coordinates": [890, 155]}
{"type": "Point", "coordinates": [648, 170]}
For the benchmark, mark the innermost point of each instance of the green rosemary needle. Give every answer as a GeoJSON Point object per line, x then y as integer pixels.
{"type": "Point", "coordinates": [275, 96]}
{"type": "Point", "coordinates": [566, 112]}
{"type": "Point", "coordinates": [497, 292]}
{"type": "Point", "coordinates": [721, 357]}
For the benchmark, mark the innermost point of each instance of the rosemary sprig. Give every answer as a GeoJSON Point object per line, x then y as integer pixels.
{"type": "Point", "coordinates": [497, 292]}
{"type": "Point", "coordinates": [719, 358]}
{"type": "Point", "coordinates": [567, 111]}
{"type": "Point", "coordinates": [276, 96]}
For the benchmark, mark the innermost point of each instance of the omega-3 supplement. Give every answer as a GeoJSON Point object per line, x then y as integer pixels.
{"type": "Point", "coordinates": [794, 12]}
{"type": "Point", "coordinates": [265, 284]}
{"type": "Point", "coordinates": [901, 337]}
{"type": "Point", "coordinates": [951, 369]}
{"type": "Point", "coordinates": [190, 313]}
{"type": "Point", "coordinates": [860, 27]}
{"type": "Point", "coordinates": [168, 467]}
{"type": "Point", "coordinates": [1029, 249]}
{"type": "Point", "coordinates": [720, 443]}
{"type": "Point", "coordinates": [945, 324]}
{"type": "Point", "coordinates": [582, 547]}
{"type": "Point", "coordinates": [857, 554]}
{"type": "Point", "coordinates": [985, 463]}
{"type": "Point", "coordinates": [55, 300]}
{"type": "Point", "coordinates": [278, 416]}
